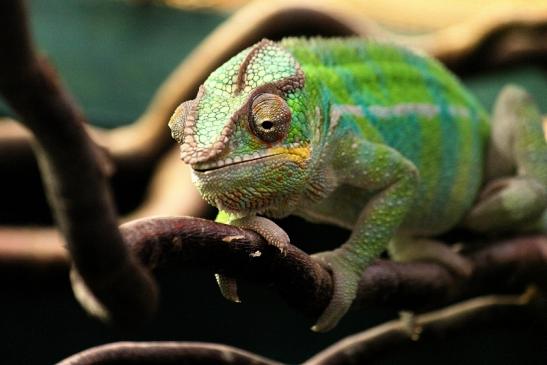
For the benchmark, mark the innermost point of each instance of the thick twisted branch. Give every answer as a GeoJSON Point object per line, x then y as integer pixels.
{"type": "Point", "coordinates": [186, 242]}
{"type": "Point", "coordinates": [74, 177]}
{"type": "Point", "coordinates": [191, 242]}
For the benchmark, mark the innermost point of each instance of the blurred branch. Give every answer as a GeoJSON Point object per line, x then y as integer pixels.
{"type": "Point", "coordinates": [356, 349]}
{"type": "Point", "coordinates": [170, 192]}
{"type": "Point", "coordinates": [74, 173]}
{"type": "Point", "coordinates": [159, 353]}
{"type": "Point", "coordinates": [459, 318]}
{"type": "Point", "coordinates": [24, 248]}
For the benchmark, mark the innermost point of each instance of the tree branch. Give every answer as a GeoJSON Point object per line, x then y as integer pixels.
{"type": "Point", "coordinates": [159, 353]}
{"type": "Point", "coordinates": [184, 242]}
{"type": "Point", "coordinates": [74, 177]}
{"type": "Point", "coordinates": [465, 316]}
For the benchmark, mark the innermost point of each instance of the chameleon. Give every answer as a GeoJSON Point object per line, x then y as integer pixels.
{"type": "Point", "coordinates": [370, 136]}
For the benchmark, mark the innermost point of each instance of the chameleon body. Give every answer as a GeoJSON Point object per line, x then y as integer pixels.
{"type": "Point", "coordinates": [371, 137]}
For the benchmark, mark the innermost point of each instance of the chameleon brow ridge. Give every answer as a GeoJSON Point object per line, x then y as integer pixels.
{"type": "Point", "coordinates": [241, 75]}
{"type": "Point", "coordinates": [287, 84]}
{"type": "Point", "coordinates": [292, 83]}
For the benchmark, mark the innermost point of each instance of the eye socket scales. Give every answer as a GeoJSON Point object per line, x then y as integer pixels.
{"type": "Point", "coordinates": [270, 117]}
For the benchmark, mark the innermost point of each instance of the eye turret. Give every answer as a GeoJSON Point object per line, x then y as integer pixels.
{"type": "Point", "coordinates": [270, 117]}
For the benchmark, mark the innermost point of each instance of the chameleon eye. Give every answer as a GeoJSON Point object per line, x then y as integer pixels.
{"type": "Point", "coordinates": [270, 117]}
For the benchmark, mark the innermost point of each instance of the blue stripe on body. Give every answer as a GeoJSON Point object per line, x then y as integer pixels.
{"type": "Point", "coordinates": [449, 134]}
{"type": "Point", "coordinates": [395, 131]}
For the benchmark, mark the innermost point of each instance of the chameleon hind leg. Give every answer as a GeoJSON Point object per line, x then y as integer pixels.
{"type": "Point", "coordinates": [405, 248]}
{"type": "Point", "coordinates": [517, 143]}
{"type": "Point", "coordinates": [270, 231]}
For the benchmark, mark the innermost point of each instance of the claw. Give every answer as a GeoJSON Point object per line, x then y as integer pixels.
{"type": "Point", "coordinates": [228, 287]}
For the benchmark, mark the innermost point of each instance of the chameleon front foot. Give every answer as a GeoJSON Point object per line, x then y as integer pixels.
{"type": "Point", "coordinates": [345, 276]}
{"type": "Point", "coordinates": [270, 231]}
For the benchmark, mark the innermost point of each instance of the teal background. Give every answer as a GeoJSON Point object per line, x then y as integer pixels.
{"type": "Point", "coordinates": [113, 55]}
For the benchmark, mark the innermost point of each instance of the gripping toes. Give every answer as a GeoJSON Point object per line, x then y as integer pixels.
{"type": "Point", "coordinates": [270, 231]}
{"type": "Point", "coordinates": [345, 281]}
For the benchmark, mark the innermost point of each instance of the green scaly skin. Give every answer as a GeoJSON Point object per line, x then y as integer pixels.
{"type": "Point", "coordinates": [371, 137]}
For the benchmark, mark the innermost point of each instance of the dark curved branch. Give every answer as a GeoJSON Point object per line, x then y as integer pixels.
{"type": "Point", "coordinates": [160, 353]}
{"type": "Point", "coordinates": [191, 242]}
{"type": "Point", "coordinates": [74, 175]}
{"type": "Point", "coordinates": [356, 349]}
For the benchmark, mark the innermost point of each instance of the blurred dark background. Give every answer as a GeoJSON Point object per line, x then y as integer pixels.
{"type": "Point", "coordinates": [113, 55]}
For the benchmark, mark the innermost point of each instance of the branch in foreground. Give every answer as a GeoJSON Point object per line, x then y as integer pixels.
{"type": "Point", "coordinates": [75, 179]}
{"type": "Point", "coordinates": [158, 353]}
{"type": "Point", "coordinates": [355, 349]}
{"type": "Point", "coordinates": [184, 242]}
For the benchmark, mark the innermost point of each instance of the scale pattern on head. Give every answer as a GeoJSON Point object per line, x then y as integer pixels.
{"type": "Point", "coordinates": [203, 126]}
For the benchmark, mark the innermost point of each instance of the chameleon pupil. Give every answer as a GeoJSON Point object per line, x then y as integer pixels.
{"type": "Point", "coordinates": [267, 124]}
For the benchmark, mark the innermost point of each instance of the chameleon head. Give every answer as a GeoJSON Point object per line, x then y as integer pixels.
{"type": "Point", "coordinates": [246, 134]}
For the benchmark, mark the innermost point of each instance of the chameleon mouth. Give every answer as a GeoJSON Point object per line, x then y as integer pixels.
{"type": "Point", "coordinates": [231, 161]}
{"type": "Point", "coordinates": [215, 165]}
